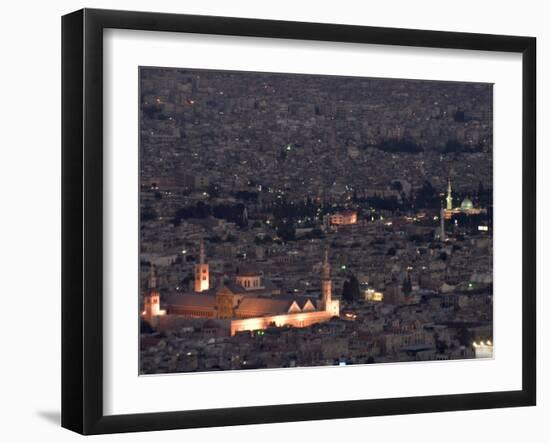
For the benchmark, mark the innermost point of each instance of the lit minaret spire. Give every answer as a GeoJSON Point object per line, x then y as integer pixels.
{"type": "Point", "coordinates": [449, 195]}
{"type": "Point", "coordinates": [327, 284]}
{"type": "Point", "coordinates": [151, 300]}
{"type": "Point", "coordinates": [152, 279]}
{"type": "Point", "coordinates": [327, 303]}
{"type": "Point", "coordinates": [326, 266]}
{"type": "Point", "coordinates": [202, 274]}
{"type": "Point", "coordinates": [442, 224]}
{"type": "Point", "coordinates": [201, 255]}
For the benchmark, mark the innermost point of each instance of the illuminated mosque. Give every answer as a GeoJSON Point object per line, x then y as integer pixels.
{"type": "Point", "coordinates": [466, 207]}
{"type": "Point", "coordinates": [447, 211]}
{"type": "Point", "coordinates": [244, 304]}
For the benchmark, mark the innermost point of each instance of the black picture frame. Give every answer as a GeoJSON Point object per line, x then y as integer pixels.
{"type": "Point", "coordinates": [82, 215]}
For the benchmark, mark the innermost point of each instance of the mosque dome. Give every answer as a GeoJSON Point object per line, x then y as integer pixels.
{"type": "Point", "coordinates": [466, 204]}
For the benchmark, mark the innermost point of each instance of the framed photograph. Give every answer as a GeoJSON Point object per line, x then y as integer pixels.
{"type": "Point", "coordinates": [269, 221]}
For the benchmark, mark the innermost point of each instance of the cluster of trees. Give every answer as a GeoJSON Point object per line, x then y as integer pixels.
{"type": "Point", "coordinates": [472, 221]}
{"type": "Point", "coordinates": [351, 291]}
{"type": "Point", "coordinates": [286, 214]}
{"type": "Point", "coordinates": [285, 229]}
{"type": "Point", "coordinates": [455, 147]}
{"type": "Point", "coordinates": [390, 203]}
{"type": "Point", "coordinates": [230, 212]}
{"type": "Point", "coordinates": [426, 197]}
{"type": "Point", "coordinates": [398, 146]}
{"type": "Point", "coordinates": [248, 196]}
{"type": "Point", "coordinates": [407, 285]}
{"type": "Point", "coordinates": [148, 214]}
{"type": "Point", "coordinates": [295, 210]}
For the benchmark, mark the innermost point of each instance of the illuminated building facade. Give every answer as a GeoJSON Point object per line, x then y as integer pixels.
{"type": "Point", "coordinates": [260, 313]}
{"type": "Point", "coordinates": [372, 295]}
{"type": "Point", "coordinates": [483, 349]}
{"type": "Point", "coordinates": [344, 218]}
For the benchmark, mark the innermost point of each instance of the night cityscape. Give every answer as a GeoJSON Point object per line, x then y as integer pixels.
{"type": "Point", "coordinates": [302, 220]}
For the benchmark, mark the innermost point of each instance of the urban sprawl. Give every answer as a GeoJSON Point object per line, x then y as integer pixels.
{"type": "Point", "coordinates": [299, 220]}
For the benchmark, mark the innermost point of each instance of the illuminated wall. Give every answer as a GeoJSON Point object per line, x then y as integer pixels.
{"type": "Point", "coordinates": [298, 320]}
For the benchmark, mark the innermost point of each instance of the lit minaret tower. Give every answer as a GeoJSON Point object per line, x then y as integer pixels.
{"type": "Point", "coordinates": [151, 300]}
{"type": "Point", "coordinates": [327, 284]}
{"type": "Point", "coordinates": [327, 303]}
{"type": "Point", "coordinates": [202, 277]}
{"type": "Point", "coordinates": [449, 195]}
{"type": "Point", "coordinates": [152, 278]}
{"type": "Point", "coordinates": [442, 224]}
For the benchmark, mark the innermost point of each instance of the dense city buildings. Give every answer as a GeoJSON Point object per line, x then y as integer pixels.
{"type": "Point", "coordinates": [300, 220]}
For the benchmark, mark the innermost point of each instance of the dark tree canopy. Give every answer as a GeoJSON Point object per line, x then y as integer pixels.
{"type": "Point", "coordinates": [407, 285]}
{"type": "Point", "coordinates": [351, 290]}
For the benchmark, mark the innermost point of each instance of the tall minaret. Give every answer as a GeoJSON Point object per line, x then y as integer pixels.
{"type": "Point", "coordinates": [152, 278]}
{"type": "Point", "coordinates": [326, 285]}
{"type": "Point", "coordinates": [151, 300]}
{"type": "Point", "coordinates": [442, 224]}
{"type": "Point", "coordinates": [202, 277]}
{"type": "Point", "coordinates": [449, 195]}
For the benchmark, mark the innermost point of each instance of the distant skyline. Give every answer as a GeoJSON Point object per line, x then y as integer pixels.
{"type": "Point", "coordinates": [356, 118]}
